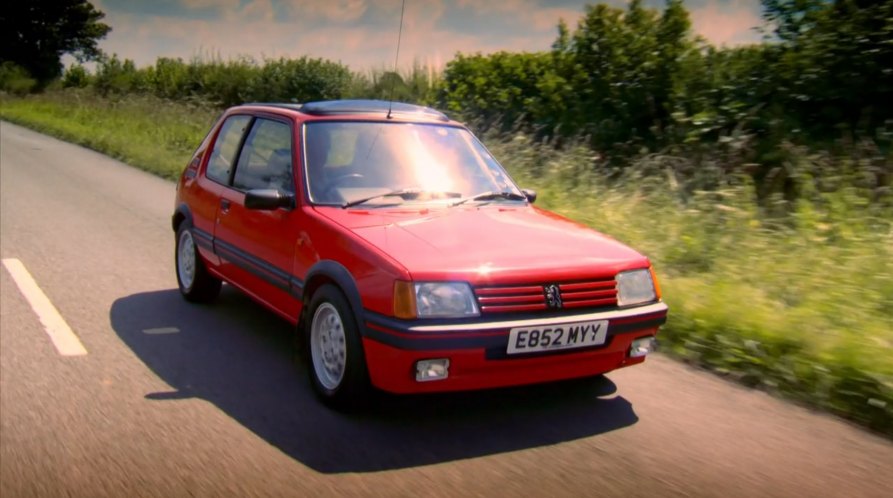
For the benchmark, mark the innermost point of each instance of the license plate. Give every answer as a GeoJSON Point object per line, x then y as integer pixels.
{"type": "Point", "coordinates": [556, 337]}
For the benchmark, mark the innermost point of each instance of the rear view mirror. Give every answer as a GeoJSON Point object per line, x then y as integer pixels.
{"type": "Point", "coordinates": [530, 194]}
{"type": "Point", "coordinates": [268, 199]}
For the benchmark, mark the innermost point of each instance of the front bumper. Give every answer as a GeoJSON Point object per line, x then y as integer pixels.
{"type": "Point", "coordinates": [477, 350]}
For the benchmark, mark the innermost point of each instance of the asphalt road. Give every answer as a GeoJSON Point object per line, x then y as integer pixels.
{"type": "Point", "coordinates": [174, 399]}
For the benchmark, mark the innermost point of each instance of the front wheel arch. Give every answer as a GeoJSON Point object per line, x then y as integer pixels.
{"type": "Point", "coordinates": [334, 273]}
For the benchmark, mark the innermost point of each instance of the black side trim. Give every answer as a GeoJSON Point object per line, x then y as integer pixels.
{"type": "Point", "coordinates": [296, 288]}
{"type": "Point", "coordinates": [203, 239]}
{"type": "Point", "coordinates": [436, 341]}
{"type": "Point", "coordinates": [406, 325]}
{"type": "Point", "coordinates": [250, 263]}
{"type": "Point", "coordinates": [253, 265]}
{"type": "Point", "coordinates": [627, 328]}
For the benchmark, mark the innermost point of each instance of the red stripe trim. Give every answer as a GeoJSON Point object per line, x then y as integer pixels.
{"type": "Point", "coordinates": [605, 284]}
{"type": "Point", "coordinates": [501, 291]}
{"type": "Point", "coordinates": [573, 296]}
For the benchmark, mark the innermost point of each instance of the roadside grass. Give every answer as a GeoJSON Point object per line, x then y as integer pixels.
{"type": "Point", "coordinates": [153, 134]}
{"type": "Point", "coordinates": [800, 304]}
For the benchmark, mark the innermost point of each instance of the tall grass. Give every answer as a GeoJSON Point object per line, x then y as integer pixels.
{"type": "Point", "coordinates": [800, 304]}
{"type": "Point", "coordinates": [794, 296]}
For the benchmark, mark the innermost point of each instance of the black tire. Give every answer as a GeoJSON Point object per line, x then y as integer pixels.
{"type": "Point", "coordinates": [330, 321]}
{"type": "Point", "coordinates": [201, 287]}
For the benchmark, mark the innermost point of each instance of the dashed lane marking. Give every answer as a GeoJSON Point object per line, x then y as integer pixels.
{"type": "Point", "coordinates": [65, 340]}
{"type": "Point", "coordinates": [161, 330]}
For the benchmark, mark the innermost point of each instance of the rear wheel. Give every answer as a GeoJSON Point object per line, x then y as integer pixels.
{"type": "Point", "coordinates": [337, 363]}
{"type": "Point", "coordinates": [196, 284]}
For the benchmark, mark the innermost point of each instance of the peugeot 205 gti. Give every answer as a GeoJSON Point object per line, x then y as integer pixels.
{"type": "Point", "coordinates": [404, 254]}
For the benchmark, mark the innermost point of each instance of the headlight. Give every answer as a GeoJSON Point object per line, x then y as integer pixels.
{"type": "Point", "coordinates": [635, 287]}
{"type": "Point", "coordinates": [445, 300]}
{"type": "Point", "coordinates": [433, 300]}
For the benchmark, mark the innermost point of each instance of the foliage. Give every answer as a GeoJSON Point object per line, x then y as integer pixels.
{"type": "Point", "coordinates": [226, 83]}
{"type": "Point", "coordinates": [35, 34]}
{"type": "Point", "coordinates": [835, 66]}
{"type": "Point", "coordinates": [76, 77]}
{"type": "Point", "coordinates": [636, 78]}
{"type": "Point", "coordinates": [615, 79]}
{"type": "Point", "coordinates": [15, 79]}
{"type": "Point", "coordinates": [498, 89]}
{"type": "Point", "coordinates": [417, 85]}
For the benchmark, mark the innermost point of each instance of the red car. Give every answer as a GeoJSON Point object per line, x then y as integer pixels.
{"type": "Point", "coordinates": [403, 253]}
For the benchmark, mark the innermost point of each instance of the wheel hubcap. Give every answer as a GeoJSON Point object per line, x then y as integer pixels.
{"type": "Point", "coordinates": [186, 259]}
{"type": "Point", "coordinates": [328, 348]}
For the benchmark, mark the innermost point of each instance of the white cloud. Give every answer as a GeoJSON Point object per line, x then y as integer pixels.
{"type": "Point", "coordinates": [338, 11]}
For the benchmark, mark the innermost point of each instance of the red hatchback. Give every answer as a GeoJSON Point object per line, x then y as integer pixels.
{"type": "Point", "coordinates": [404, 254]}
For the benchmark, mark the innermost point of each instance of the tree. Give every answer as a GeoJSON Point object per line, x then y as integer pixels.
{"type": "Point", "coordinates": [836, 63]}
{"type": "Point", "coordinates": [36, 33]}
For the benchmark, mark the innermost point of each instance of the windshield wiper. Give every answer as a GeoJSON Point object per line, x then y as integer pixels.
{"type": "Point", "coordinates": [403, 193]}
{"type": "Point", "coordinates": [491, 195]}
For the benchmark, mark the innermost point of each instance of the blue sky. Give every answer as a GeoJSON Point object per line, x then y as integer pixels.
{"type": "Point", "coordinates": [363, 33]}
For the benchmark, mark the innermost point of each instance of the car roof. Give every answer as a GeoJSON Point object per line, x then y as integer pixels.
{"type": "Point", "coordinates": [357, 108]}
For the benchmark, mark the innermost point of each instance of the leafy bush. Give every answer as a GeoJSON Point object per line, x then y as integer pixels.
{"type": "Point", "coordinates": [15, 79]}
{"type": "Point", "coordinates": [76, 77]}
{"type": "Point", "coordinates": [114, 76]}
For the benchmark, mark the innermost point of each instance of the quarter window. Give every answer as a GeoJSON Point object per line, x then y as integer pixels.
{"type": "Point", "coordinates": [266, 158]}
{"type": "Point", "coordinates": [224, 153]}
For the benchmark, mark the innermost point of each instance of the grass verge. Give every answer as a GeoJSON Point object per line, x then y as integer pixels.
{"type": "Point", "coordinates": [152, 134]}
{"type": "Point", "coordinates": [800, 305]}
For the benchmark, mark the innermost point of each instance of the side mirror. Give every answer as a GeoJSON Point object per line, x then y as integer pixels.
{"type": "Point", "coordinates": [530, 194]}
{"type": "Point", "coordinates": [268, 199]}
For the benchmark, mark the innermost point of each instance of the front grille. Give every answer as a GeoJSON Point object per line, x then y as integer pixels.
{"type": "Point", "coordinates": [532, 298]}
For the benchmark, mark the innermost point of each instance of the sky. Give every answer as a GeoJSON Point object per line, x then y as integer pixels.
{"type": "Point", "coordinates": [363, 33]}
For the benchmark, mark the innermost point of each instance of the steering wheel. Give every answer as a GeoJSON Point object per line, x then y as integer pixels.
{"type": "Point", "coordinates": [349, 176]}
{"type": "Point", "coordinates": [331, 191]}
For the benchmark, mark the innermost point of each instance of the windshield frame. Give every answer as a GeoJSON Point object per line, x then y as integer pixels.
{"type": "Point", "coordinates": [482, 155]}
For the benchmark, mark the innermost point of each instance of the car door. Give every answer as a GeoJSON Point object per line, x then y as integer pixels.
{"type": "Point", "coordinates": [256, 246]}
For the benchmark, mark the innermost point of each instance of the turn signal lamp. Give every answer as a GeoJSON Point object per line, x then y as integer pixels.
{"type": "Point", "coordinates": [404, 300]}
{"type": "Point", "coordinates": [656, 283]}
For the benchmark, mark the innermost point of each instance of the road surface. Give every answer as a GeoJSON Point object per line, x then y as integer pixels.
{"type": "Point", "coordinates": [172, 399]}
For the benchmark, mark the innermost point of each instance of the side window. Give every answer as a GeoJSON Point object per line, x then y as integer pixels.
{"type": "Point", "coordinates": [224, 153]}
{"type": "Point", "coordinates": [266, 158]}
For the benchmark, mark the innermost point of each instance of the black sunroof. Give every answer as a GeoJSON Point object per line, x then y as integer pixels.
{"type": "Point", "coordinates": [334, 107]}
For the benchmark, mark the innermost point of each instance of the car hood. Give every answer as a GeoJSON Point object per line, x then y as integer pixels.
{"type": "Point", "coordinates": [488, 243]}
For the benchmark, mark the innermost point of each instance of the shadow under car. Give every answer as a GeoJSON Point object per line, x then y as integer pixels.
{"type": "Point", "coordinates": [238, 356]}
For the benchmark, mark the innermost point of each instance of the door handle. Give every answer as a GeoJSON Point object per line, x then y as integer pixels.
{"type": "Point", "coordinates": [224, 205]}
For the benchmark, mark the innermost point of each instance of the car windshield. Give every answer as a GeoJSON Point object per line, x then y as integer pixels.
{"type": "Point", "coordinates": [370, 164]}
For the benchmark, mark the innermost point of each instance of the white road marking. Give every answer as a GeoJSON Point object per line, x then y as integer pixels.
{"type": "Point", "coordinates": [161, 330]}
{"type": "Point", "coordinates": [66, 342]}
